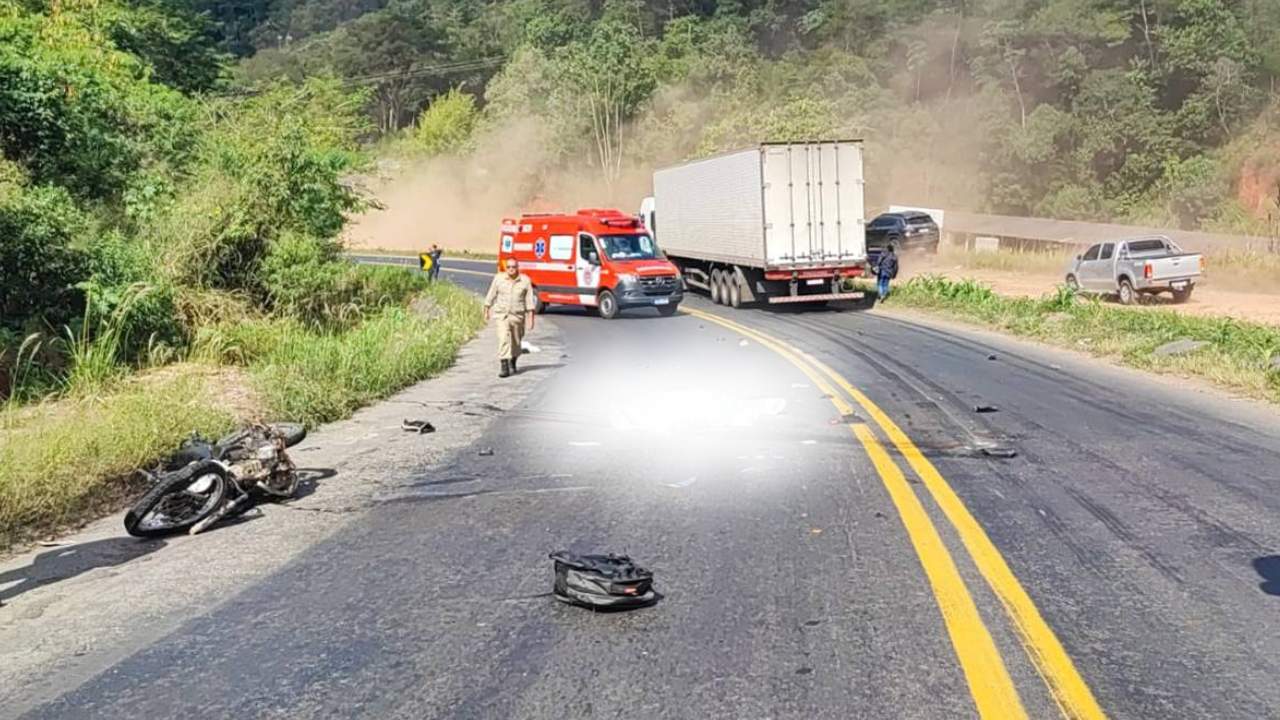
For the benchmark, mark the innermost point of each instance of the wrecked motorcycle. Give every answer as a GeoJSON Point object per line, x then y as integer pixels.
{"type": "Point", "coordinates": [204, 481]}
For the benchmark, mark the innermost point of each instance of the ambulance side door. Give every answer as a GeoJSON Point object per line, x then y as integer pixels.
{"type": "Point", "coordinates": [588, 269]}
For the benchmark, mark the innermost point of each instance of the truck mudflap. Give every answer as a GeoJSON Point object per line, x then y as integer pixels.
{"type": "Point", "coordinates": [826, 297]}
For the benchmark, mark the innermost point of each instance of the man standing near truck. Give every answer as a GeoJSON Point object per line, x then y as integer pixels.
{"type": "Point", "coordinates": [886, 270]}
{"type": "Point", "coordinates": [510, 302]}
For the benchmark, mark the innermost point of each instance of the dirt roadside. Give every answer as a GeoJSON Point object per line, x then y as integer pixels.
{"type": "Point", "coordinates": [1207, 299]}
{"type": "Point", "coordinates": [73, 609]}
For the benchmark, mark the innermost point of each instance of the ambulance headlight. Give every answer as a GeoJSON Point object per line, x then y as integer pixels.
{"type": "Point", "coordinates": [628, 277]}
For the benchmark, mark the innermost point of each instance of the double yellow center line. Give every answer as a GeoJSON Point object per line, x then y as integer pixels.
{"type": "Point", "coordinates": [989, 682]}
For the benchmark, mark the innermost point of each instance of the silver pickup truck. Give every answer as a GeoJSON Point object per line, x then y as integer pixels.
{"type": "Point", "coordinates": [1136, 266]}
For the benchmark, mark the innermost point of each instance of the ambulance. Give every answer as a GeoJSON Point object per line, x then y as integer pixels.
{"type": "Point", "coordinates": [602, 259]}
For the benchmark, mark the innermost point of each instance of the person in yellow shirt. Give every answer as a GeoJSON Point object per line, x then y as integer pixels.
{"type": "Point", "coordinates": [510, 301]}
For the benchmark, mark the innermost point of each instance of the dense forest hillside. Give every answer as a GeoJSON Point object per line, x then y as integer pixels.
{"type": "Point", "coordinates": [1146, 110]}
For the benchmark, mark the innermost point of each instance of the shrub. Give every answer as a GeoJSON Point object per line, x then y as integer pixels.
{"type": "Point", "coordinates": [303, 277]}
{"type": "Point", "coordinates": [446, 125]}
{"type": "Point", "coordinates": [39, 262]}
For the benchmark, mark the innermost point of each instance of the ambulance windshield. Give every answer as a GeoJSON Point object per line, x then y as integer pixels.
{"type": "Point", "coordinates": [629, 247]}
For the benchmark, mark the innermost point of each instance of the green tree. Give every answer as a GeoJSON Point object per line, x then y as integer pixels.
{"type": "Point", "coordinates": [446, 125]}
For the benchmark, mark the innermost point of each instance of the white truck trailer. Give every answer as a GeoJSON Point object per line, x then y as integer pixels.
{"type": "Point", "coordinates": [778, 223]}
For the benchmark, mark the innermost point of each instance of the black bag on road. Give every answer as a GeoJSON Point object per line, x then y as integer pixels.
{"type": "Point", "coordinates": [602, 581]}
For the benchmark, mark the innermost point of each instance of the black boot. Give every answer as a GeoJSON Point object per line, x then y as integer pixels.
{"type": "Point", "coordinates": [513, 365]}
{"type": "Point", "coordinates": [506, 369]}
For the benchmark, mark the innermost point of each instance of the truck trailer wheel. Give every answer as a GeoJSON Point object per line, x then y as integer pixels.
{"type": "Point", "coordinates": [714, 286]}
{"type": "Point", "coordinates": [734, 290]}
{"type": "Point", "coordinates": [608, 306]}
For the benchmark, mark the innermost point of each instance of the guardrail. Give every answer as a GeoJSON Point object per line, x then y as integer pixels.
{"type": "Point", "coordinates": [980, 232]}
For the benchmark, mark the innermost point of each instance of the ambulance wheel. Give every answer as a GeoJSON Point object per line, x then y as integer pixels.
{"type": "Point", "coordinates": [539, 306]}
{"type": "Point", "coordinates": [715, 286]}
{"type": "Point", "coordinates": [608, 306]}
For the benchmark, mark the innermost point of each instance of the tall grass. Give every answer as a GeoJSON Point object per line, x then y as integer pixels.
{"type": "Point", "coordinates": [313, 376]}
{"type": "Point", "coordinates": [1237, 355]}
{"type": "Point", "coordinates": [59, 460]}
{"type": "Point", "coordinates": [63, 459]}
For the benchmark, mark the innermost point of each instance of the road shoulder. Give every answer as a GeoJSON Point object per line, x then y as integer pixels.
{"type": "Point", "coordinates": [73, 609]}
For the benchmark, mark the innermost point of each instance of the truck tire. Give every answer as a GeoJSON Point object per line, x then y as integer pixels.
{"type": "Point", "coordinates": [1127, 294]}
{"type": "Point", "coordinates": [1181, 296]}
{"type": "Point", "coordinates": [735, 290]}
{"type": "Point", "coordinates": [714, 286]}
{"type": "Point", "coordinates": [608, 305]}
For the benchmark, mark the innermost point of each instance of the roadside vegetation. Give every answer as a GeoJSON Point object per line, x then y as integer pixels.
{"type": "Point", "coordinates": [1237, 355]}
{"type": "Point", "coordinates": [169, 254]}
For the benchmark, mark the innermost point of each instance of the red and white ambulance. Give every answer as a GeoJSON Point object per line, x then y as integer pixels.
{"type": "Point", "coordinates": [602, 259]}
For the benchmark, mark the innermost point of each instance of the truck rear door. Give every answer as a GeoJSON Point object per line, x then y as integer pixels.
{"type": "Point", "coordinates": [813, 204]}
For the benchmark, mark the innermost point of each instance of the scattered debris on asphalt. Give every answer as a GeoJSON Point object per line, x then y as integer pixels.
{"type": "Point", "coordinates": [422, 427]}
{"type": "Point", "coordinates": [742, 343]}
{"type": "Point", "coordinates": [528, 347]}
{"type": "Point", "coordinates": [602, 581]}
{"type": "Point", "coordinates": [985, 409]}
{"type": "Point", "coordinates": [1178, 347]}
{"type": "Point", "coordinates": [485, 452]}
{"type": "Point", "coordinates": [992, 357]}
{"type": "Point", "coordinates": [683, 483]}
{"type": "Point", "coordinates": [850, 418]}
{"type": "Point", "coordinates": [1000, 452]}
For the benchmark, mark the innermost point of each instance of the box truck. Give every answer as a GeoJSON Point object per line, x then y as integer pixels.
{"type": "Point", "coordinates": [777, 223]}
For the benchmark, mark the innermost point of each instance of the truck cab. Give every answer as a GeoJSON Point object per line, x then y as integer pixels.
{"type": "Point", "coordinates": [598, 258]}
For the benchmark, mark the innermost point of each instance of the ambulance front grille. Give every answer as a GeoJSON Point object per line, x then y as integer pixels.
{"type": "Point", "coordinates": [658, 284]}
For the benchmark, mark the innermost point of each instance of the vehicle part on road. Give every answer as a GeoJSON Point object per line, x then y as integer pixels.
{"type": "Point", "coordinates": [204, 482]}
{"type": "Point", "coordinates": [178, 500]}
{"type": "Point", "coordinates": [602, 581]}
{"type": "Point", "coordinates": [985, 409]}
{"type": "Point", "coordinates": [992, 357]}
{"type": "Point", "coordinates": [485, 452]}
{"type": "Point", "coordinates": [999, 452]}
{"type": "Point", "coordinates": [422, 427]}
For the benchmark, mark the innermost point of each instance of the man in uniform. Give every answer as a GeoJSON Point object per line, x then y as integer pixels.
{"type": "Point", "coordinates": [510, 302]}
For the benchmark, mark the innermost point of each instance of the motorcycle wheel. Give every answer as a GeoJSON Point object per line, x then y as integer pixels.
{"type": "Point", "coordinates": [293, 433]}
{"type": "Point", "coordinates": [180, 500]}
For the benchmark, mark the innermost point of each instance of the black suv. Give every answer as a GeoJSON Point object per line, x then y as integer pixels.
{"type": "Point", "coordinates": [905, 231]}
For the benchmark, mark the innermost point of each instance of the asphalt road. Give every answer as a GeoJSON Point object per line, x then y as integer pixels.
{"type": "Point", "coordinates": [831, 540]}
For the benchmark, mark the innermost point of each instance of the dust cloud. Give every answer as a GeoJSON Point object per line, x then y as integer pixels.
{"type": "Point", "coordinates": [459, 201]}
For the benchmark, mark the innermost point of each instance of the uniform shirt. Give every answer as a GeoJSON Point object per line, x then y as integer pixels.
{"type": "Point", "coordinates": [510, 297]}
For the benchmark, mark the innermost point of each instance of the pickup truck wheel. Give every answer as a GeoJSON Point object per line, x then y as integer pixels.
{"type": "Point", "coordinates": [608, 305]}
{"type": "Point", "coordinates": [715, 286]}
{"type": "Point", "coordinates": [1127, 294]}
{"type": "Point", "coordinates": [1181, 296]}
{"type": "Point", "coordinates": [1073, 284]}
